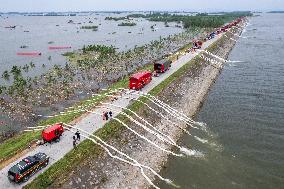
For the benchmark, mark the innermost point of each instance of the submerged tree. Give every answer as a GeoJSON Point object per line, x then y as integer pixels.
{"type": "Point", "coordinates": [16, 71]}
{"type": "Point", "coordinates": [32, 65]}
{"type": "Point", "coordinates": [2, 89]}
{"type": "Point", "coordinates": [6, 75]}
{"type": "Point", "coordinates": [26, 68]}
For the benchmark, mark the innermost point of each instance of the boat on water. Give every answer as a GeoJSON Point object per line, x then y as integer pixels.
{"type": "Point", "coordinates": [29, 53]}
{"type": "Point", "coordinates": [59, 47]}
{"type": "Point", "coordinates": [10, 27]}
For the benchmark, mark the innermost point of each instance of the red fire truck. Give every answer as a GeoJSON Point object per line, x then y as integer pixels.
{"type": "Point", "coordinates": [138, 80]}
{"type": "Point", "coordinates": [52, 133]}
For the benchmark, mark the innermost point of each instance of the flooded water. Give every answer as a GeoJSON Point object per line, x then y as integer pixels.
{"type": "Point", "coordinates": [245, 114]}
{"type": "Point", "coordinates": [38, 33]}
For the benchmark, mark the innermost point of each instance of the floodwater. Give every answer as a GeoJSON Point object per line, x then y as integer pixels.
{"type": "Point", "coordinates": [38, 33]}
{"type": "Point", "coordinates": [245, 114]}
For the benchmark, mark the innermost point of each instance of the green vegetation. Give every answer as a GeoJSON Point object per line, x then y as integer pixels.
{"type": "Point", "coordinates": [94, 28]}
{"type": "Point", "coordinates": [16, 71]}
{"type": "Point", "coordinates": [136, 16]}
{"type": "Point", "coordinates": [6, 75]}
{"type": "Point", "coordinates": [17, 144]}
{"type": "Point", "coordinates": [116, 18]}
{"type": "Point", "coordinates": [2, 89]}
{"type": "Point", "coordinates": [190, 21]}
{"type": "Point", "coordinates": [127, 24]}
{"type": "Point", "coordinates": [70, 54]}
{"type": "Point", "coordinates": [275, 12]}
{"type": "Point", "coordinates": [202, 14]}
{"type": "Point", "coordinates": [105, 50]}
{"type": "Point", "coordinates": [202, 20]}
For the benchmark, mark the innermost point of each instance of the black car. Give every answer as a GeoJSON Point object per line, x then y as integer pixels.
{"type": "Point", "coordinates": [27, 167]}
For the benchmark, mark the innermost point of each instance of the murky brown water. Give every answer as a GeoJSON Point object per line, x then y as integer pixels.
{"type": "Point", "coordinates": [244, 112]}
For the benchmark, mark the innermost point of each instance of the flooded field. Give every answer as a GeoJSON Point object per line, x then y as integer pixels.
{"type": "Point", "coordinates": [38, 33]}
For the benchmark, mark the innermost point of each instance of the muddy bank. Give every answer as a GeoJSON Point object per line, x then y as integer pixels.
{"type": "Point", "coordinates": [184, 94]}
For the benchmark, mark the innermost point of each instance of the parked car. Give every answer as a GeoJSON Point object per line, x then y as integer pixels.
{"type": "Point", "coordinates": [23, 170]}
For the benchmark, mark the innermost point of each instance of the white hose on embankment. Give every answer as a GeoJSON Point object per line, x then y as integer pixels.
{"type": "Point", "coordinates": [171, 141]}
{"type": "Point", "coordinates": [104, 145]}
{"type": "Point", "coordinates": [141, 136]}
{"type": "Point", "coordinates": [159, 113]}
{"type": "Point", "coordinates": [159, 134]}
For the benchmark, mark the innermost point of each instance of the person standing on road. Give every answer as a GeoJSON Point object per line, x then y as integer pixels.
{"type": "Point", "coordinates": [106, 115]}
{"type": "Point", "coordinates": [78, 135]}
{"type": "Point", "coordinates": [74, 144]}
{"type": "Point", "coordinates": [110, 114]}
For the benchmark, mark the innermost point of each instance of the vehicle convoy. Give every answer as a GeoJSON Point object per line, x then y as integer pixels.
{"type": "Point", "coordinates": [23, 170]}
{"type": "Point", "coordinates": [228, 26]}
{"type": "Point", "coordinates": [138, 80]}
{"type": "Point", "coordinates": [162, 66]}
{"type": "Point", "coordinates": [52, 133]}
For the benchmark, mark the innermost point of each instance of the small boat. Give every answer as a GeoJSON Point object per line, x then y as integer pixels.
{"type": "Point", "coordinates": [10, 27]}
{"type": "Point", "coordinates": [29, 53]}
{"type": "Point", "coordinates": [23, 46]}
{"type": "Point", "coordinates": [59, 47]}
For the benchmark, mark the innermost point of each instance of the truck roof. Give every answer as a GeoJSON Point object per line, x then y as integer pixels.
{"type": "Point", "coordinates": [24, 163]}
{"type": "Point", "coordinates": [140, 74]}
{"type": "Point", "coordinates": [163, 61]}
{"type": "Point", "coordinates": [52, 128]}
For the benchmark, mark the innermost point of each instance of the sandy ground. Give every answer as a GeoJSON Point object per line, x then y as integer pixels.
{"type": "Point", "coordinates": [185, 94]}
{"type": "Point", "coordinates": [90, 123]}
